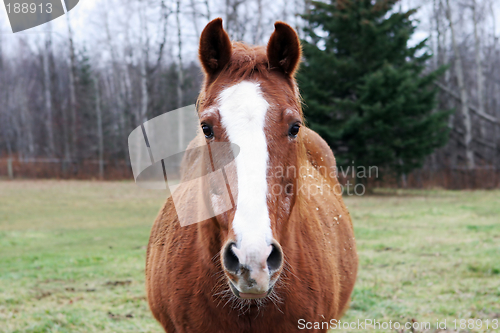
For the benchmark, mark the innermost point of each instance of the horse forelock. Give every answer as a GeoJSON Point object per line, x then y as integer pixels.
{"type": "Point", "coordinates": [249, 62]}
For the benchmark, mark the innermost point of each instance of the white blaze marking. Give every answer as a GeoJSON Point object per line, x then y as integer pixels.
{"type": "Point", "coordinates": [243, 111]}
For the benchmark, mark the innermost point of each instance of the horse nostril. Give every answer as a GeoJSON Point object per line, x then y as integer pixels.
{"type": "Point", "coordinates": [275, 258]}
{"type": "Point", "coordinates": [230, 260]}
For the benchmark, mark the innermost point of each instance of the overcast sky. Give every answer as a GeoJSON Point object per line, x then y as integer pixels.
{"type": "Point", "coordinates": [84, 20]}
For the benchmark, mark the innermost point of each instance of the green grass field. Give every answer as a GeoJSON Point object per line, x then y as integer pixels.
{"type": "Point", "coordinates": [72, 256]}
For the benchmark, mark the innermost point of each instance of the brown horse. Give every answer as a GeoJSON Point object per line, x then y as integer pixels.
{"type": "Point", "coordinates": [284, 257]}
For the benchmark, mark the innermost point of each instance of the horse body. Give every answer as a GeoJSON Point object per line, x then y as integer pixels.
{"type": "Point", "coordinates": [249, 271]}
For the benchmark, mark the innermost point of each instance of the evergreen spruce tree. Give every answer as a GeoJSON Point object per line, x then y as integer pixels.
{"type": "Point", "coordinates": [364, 87]}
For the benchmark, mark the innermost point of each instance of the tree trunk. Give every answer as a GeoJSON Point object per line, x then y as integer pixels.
{"type": "Point", "coordinates": [469, 153]}
{"type": "Point", "coordinates": [180, 75]}
{"type": "Point", "coordinates": [66, 158]}
{"type": "Point", "coordinates": [72, 91]}
{"type": "Point", "coordinates": [27, 125]}
{"type": "Point", "coordinates": [48, 93]}
{"type": "Point", "coordinates": [496, 88]}
{"type": "Point", "coordinates": [258, 29]}
{"type": "Point", "coordinates": [144, 93]}
{"type": "Point", "coordinates": [1, 59]}
{"type": "Point", "coordinates": [118, 91]}
{"type": "Point", "coordinates": [195, 18]}
{"type": "Point", "coordinates": [143, 69]}
{"type": "Point", "coordinates": [207, 6]}
{"type": "Point", "coordinates": [99, 127]}
{"type": "Point", "coordinates": [479, 70]}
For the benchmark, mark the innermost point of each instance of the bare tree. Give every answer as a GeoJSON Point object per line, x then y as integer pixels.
{"type": "Point", "coordinates": [100, 136]}
{"type": "Point", "coordinates": [207, 6]}
{"type": "Point", "coordinates": [180, 76]}
{"type": "Point", "coordinates": [143, 63]}
{"type": "Point", "coordinates": [72, 90]}
{"type": "Point", "coordinates": [479, 66]}
{"type": "Point", "coordinates": [117, 90]}
{"type": "Point", "coordinates": [496, 85]}
{"type": "Point", "coordinates": [194, 14]}
{"type": "Point", "coordinates": [27, 121]}
{"type": "Point", "coordinates": [469, 153]}
{"type": "Point", "coordinates": [258, 29]}
{"type": "Point", "coordinates": [48, 92]}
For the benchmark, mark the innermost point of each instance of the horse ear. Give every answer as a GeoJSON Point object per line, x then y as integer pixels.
{"type": "Point", "coordinates": [283, 48]}
{"type": "Point", "coordinates": [215, 47]}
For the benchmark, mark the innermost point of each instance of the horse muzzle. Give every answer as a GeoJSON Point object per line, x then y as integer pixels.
{"type": "Point", "coordinates": [252, 270]}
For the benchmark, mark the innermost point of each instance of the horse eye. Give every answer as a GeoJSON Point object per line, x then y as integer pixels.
{"type": "Point", "coordinates": [294, 130]}
{"type": "Point", "coordinates": [207, 130]}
